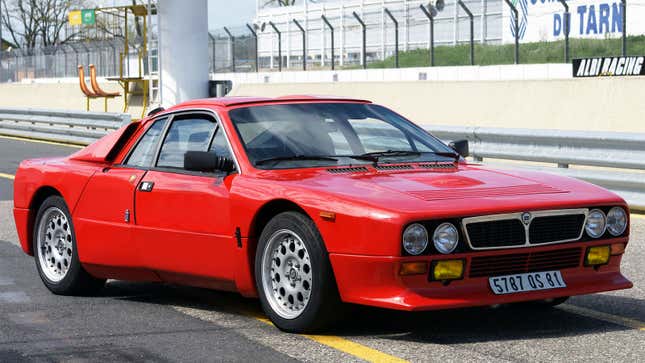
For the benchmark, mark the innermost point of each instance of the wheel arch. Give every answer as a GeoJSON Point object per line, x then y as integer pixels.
{"type": "Point", "coordinates": [37, 200]}
{"type": "Point", "coordinates": [268, 210]}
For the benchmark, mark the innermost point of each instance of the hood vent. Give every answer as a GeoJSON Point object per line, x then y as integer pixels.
{"type": "Point", "coordinates": [467, 193]}
{"type": "Point", "coordinates": [394, 167]}
{"type": "Point", "coordinates": [351, 169]}
{"type": "Point", "coordinates": [437, 165]}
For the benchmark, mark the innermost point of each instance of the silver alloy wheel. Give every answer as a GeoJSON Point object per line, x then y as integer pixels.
{"type": "Point", "coordinates": [286, 274]}
{"type": "Point", "coordinates": [54, 244]}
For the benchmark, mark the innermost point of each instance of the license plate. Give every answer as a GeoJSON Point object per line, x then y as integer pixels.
{"type": "Point", "coordinates": [533, 281]}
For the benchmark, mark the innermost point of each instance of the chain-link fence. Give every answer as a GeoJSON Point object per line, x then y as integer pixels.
{"type": "Point", "coordinates": [62, 61]}
{"type": "Point", "coordinates": [378, 33]}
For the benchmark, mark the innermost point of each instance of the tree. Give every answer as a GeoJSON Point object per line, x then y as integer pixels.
{"type": "Point", "coordinates": [33, 23]}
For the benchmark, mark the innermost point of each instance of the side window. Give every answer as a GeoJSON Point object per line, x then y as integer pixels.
{"type": "Point", "coordinates": [192, 133]}
{"type": "Point", "coordinates": [144, 151]}
{"type": "Point", "coordinates": [219, 145]}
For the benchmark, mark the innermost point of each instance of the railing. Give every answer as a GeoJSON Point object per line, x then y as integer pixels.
{"type": "Point", "coordinates": [613, 160]}
{"type": "Point", "coordinates": [75, 127]}
{"type": "Point", "coordinates": [610, 159]}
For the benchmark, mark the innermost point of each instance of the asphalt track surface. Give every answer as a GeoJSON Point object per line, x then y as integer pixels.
{"type": "Point", "coordinates": [145, 322]}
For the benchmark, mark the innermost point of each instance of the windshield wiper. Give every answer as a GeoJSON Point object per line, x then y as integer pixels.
{"type": "Point", "coordinates": [390, 153]}
{"type": "Point", "coordinates": [375, 156]}
{"type": "Point", "coordinates": [447, 154]}
{"type": "Point", "coordinates": [295, 157]}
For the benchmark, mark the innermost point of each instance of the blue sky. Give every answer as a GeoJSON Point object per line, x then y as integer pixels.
{"type": "Point", "coordinates": [225, 12]}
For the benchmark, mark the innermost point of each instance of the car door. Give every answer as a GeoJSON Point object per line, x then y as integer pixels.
{"type": "Point", "coordinates": [183, 217]}
{"type": "Point", "coordinates": [104, 216]}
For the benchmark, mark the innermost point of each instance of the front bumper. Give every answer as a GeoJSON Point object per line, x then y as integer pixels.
{"type": "Point", "coordinates": [375, 281]}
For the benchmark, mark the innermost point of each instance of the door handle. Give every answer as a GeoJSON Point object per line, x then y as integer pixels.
{"type": "Point", "coordinates": [146, 186]}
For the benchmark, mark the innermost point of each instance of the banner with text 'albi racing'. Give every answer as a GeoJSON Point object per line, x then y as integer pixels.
{"type": "Point", "coordinates": [609, 66]}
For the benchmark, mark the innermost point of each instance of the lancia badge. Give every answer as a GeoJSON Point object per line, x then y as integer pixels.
{"type": "Point", "coordinates": [526, 218]}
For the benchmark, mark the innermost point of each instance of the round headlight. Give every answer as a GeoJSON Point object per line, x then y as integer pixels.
{"type": "Point", "coordinates": [616, 221]}
{"type": "Point", "coordinates": [415, 239]}
{"type": "Point", "coordinates": [596, 223]}
{"type": "Point", "coordinates": [445, 238]}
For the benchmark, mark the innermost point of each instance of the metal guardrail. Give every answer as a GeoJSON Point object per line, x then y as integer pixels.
{"type": "Point", "coordinates": [75, 127]}
{"type": "Point", "coordinates": [612, 160]}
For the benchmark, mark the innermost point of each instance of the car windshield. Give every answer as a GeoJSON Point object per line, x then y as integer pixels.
{"type": "Point", "coordinates": [328, 134]}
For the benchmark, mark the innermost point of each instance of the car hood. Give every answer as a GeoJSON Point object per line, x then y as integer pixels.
{"type": "Point", "coordinates": [468, 189]}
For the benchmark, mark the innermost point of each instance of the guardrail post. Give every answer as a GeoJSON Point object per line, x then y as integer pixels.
{"type": "Point", "coordinates": [255, 45]}
{"type": "Point", "coordinates": [275, 29]}
{"type": "Point", "coordinates": [431, 19]}
{"type": "Point", "coordinates": [331, 28]}
{"type": "Point", "coordinates": [565, 29]}
{"type": "Point", "coordinates": [623, 4]}
{"type": "Point", "coordinates": [364, 31]}
{"type": "Point", "coordinates": [231, 40]}
{"type": "Point", "coordinates": [304, 44]}
{"type": "Point", "coordinates": [396, 37]}
{"type": "Point", "coordinates": [516, 28]}
{"type": "Point", "coordinates": [472, 32]}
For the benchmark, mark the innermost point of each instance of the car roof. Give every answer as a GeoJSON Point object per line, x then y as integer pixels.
{"type": "Point", "coordinates": [245, 100]}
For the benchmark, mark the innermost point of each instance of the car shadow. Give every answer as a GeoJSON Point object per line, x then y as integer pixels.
{"type": "Point", "coordinates": [469, 325]}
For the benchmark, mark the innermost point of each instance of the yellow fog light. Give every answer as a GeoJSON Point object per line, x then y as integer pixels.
{"type": "Point", "coordinates": [447, 270]}
{"type": "Point", "coordinates": [413, 268]}
{"type": "Point", "coordinates": [598, 255]}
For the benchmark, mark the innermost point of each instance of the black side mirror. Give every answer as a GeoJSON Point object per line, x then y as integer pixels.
{"type": "Point", "coordinates": [461, 147]}
{"type": "Point", "coordinates": [205, 161]}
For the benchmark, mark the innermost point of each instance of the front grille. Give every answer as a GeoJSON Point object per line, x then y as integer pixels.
{"type": "Point", "coordinates": [508, 232]}
{"type": "Point", "coordinates": [524, 229]}
{"type": "Point", "coordinates": [515, 263]}
{"type": "Point", "coordinates": [556, 228]}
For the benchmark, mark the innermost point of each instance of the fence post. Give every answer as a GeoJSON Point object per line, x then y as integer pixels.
{"type": "Point", "coordinates": [275, 29]}
{"type": "Point", "coordinates": [396, 37]}
{"type": "Point", "coordinates": [331, 28]}
{"type": "Point", "coordinates": [565, 28]}
{"type": "Point", "coordinates": [304, 44]}
{"type": "Point", "coordinates": [231, 39]}
{"type": "Point", "coordinates": [623, 4]}
{"type": "Point", "coordinates": [472, 32]}
{"type": "Point", "coordinates": [431, 19]}
{"type": "Point", "coordinates": [516, 27]}
{"type": "Point", "coordinates": [255, 42]}
{"type": "Point", "coordinates": [364, 31]}
{"type": "Point", "coordinates": [214, 54]}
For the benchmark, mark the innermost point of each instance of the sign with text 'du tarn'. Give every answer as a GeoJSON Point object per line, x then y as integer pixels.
{"type": "Point", "coordinates": [545, 20]}
{"type": "Point", "coordinates": [609, 66]}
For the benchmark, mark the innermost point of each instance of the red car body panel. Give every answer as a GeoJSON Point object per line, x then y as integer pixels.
{"type": "Point", "coordinates": [202, 230]}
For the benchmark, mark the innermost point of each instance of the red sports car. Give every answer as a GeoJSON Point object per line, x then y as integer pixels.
{"type": "Point", "coordinates": [310, 202]}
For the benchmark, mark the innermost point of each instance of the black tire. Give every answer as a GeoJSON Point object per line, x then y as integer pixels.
{"type": "Point", "coordinates": [324, 307]}
{"type": "Point", "coordinates": [76, 280]}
